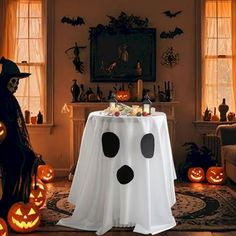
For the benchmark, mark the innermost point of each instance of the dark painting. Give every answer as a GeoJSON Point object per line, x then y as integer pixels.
{"type": "Point", "coordinates": [124, 56]}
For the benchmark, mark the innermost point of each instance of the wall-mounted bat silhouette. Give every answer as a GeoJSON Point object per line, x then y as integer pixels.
{"type": "Point", "coordinates": [170, 14]}
{"type": "Point", "coordinates": [73, 21]}
{"type": "Point", "coordinates": [171, 34]}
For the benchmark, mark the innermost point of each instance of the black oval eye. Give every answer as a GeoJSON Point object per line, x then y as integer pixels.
{"type": "Point", "coordinates": [110, 144]}
{"type": "Point", "coordinates": [147, 145]}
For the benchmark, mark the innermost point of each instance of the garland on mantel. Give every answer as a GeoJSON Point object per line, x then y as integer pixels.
{"type": "Point", "coordinates": [122, 24]}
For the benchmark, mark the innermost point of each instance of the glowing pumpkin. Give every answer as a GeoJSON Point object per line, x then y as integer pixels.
{"type": "Point", "coordinates": [215, 175]}
{"type": "Point", "coordinates": [3, 132]}
{"type": "Point", "coordinates": [38, 184]}
{"type": "Point", "coordinates": [196, 174]}
{"type": "Point", "coordinates": [3, 228]}
{"type": "Point", "coordinates": [37, 197]}
{"type": "Point", "coordinates": [123, 95]}
{"type": "Point", "coordinates": [46, 173]}
{"type": "Point", "coordinates": [23, 217]}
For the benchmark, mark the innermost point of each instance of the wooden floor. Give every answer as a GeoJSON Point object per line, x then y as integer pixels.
{"type": "Point", "coordinates": [125, 233]}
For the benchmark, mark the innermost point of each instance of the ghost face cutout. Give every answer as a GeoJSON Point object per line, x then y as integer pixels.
{"type": "Point", "coordinates": [12, 85]}
{"type": "Point", "coordinates": [111, 146]}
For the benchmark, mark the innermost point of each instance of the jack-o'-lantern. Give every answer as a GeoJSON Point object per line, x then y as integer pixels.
{"type": "Point", "coordinates": [38, 184]}
{"type": "Point", "coordinates": [46, 173]}
{"type": "Point", "coordinates": [3, 228]}
{"type": "Point", "coordinates": [3, 132]}
{"type": "Point", "coordinates": [37, 197]}
{"type": "Point", "coordinates": [123, 95]}
{"type": "Point", "coordinates": [23, 217]}
{"type": "Point", "coordinates": [196, 174]}
{"type": "Point", "coordinates": [215, 175]}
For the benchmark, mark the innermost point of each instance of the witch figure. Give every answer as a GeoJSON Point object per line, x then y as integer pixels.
{"type": "Point", "coordinates": [17, 158]}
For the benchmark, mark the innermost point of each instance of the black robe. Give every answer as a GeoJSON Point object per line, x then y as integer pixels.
{"type": "Point", "coordinates": [17, 158]}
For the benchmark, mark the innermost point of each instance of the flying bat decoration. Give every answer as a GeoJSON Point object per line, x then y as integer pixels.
{"type": "Point", "coordinates": [73, 21]}
{"type": "Point", "coordinates": [171, 34]}
{"type": "Point", "coordinates": [170, 14]}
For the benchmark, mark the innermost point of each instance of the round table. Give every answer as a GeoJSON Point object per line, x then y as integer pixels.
{"type": "Point", "coordinates": [124, 175]}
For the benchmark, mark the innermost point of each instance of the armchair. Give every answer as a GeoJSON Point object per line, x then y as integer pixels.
{"type": "Point", "coordinates": [227, 135]}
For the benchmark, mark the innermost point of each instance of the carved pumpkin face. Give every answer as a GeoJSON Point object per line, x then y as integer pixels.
{"type": "Point", "coordinates": [123, 95]}
{"type": "Point", "coordinates": [39, 184]}
{"type": "Point", "coordinates": [215, 175]}
{"type": "Point", "coordinates": [46, 173]}
{"type": "Point", "coordinates": [3, 228]}
{"type": "Point", "coordinates": [38, 197]}
{"type": "Point", "coordinates": [196, 174]}
{"type": "Point", "coordinates": [3, 132]}
{"type": "Point", "coordinates": [23, 217]}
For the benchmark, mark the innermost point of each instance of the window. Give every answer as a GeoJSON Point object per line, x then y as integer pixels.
{"type": "Point", "coordinates": [30, 55]}
{"type": "Point", "coordinates": [218, 82]}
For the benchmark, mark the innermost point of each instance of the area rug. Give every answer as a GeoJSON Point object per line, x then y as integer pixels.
{"type": "Point", "coordinates": [199, 207]}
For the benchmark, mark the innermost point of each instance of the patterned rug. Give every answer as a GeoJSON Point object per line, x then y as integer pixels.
{"type": "Point", "coordinates": [199, 207]}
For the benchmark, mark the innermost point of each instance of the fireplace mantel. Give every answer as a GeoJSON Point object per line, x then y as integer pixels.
{"type": "Point", "coordinates": [79, 112]}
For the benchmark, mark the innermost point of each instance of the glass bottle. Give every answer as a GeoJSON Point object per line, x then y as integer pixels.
{"type": "Point", "coordinates": [75, 90]}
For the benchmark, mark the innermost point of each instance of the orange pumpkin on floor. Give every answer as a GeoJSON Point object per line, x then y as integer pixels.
{"type": "Point", "coordinates": [37, 197]}
{"type": "Point", "coordinates": [123, 95]}
{"type": "Point", "coordinates": [23, 217]}
{"type": "Point", "coordinates": [39, 184]}
{"type": "Point", "coordinates": [3, 132]}
{"type": "Point", "coordinates": [196, 174]}
{"type": "Point", "coordinates": [3, 228]}
{"type": "Point", "coordinates": [46, 173]}
{"type": "Point", "coordinates": [215, 175]}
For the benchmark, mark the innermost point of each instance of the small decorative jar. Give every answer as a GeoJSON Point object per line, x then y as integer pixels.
{"type": "Point", "coordinates": [223, 109]}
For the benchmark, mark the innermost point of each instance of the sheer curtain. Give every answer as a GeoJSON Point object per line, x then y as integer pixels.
{"type": "Point", "coordinates": [234, 45]}
{"type": "Point", "coordinates": [218, 72]}
{"type": "Point", "coordinates": [24, 43]}
{"type": "Point", "coordinates": [8, 26]}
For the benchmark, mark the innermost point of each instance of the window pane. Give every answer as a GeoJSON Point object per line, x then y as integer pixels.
{"type": "Point", "coordinates": [211, 28]}
{"type": "Point", "coordinates": [225, 71]}
{"type": "Point", "coordinates": [22, 50]}
{"type": "Point", "coordinates": [22, 10]}
{"type": "Point", "coordinates": [211, 72]}
{"type": "Point", "coordinates": [35, 28]}
{"type": "Point", "coordinates": [23, 28]}
{"type": "Point", "coordinates": [224, 47]}
{"type": "Point", "coordinates": [224, 8]}
{"type": "Point", "coordinates": [224, 28]}
{"type": "Point", "coordinates": [211, 47]}
{"type": "Point", "coordinates": [210, 9]}
{"type": "Point", "coordinates": [35, 9]}
{"type": "Point", "coordinates": [35, 47]}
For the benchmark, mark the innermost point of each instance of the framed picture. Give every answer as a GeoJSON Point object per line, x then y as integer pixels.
{"type": "Point", "coordinates": [123, 57]}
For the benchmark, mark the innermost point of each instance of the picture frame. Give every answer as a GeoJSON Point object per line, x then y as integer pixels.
{"type": "Point", "coordinates": [123, 56]}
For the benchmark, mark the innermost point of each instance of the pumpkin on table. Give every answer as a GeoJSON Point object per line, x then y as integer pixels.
{"type": "Point", "coordinates": [23, 217]}
{"type": "Point", "coordinates": [215, 175]}
{"type": "Point", "coordinates": [196, 174]}
{"type": "Point", "coordinates": [3, 132]}
{"type": "Point", "coordinates": [3, 228]}
{"type": "Point", "coordinates": [46, 173]}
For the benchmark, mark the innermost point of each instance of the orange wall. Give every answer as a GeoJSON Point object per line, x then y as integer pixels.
{"type": "Point", "coordinates": [55, 146]}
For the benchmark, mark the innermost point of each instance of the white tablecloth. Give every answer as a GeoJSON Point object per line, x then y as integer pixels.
{"type": "Point", "coordinates": [124, 176]}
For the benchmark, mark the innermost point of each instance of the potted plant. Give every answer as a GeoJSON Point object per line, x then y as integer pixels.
{"type": "Point", "coordinates": [196, 157]}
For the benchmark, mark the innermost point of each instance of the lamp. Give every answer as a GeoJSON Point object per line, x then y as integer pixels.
{"type": "Point", "coordinates": [112, 101]}
{"type": "Point", "coordinates": [147, 104]}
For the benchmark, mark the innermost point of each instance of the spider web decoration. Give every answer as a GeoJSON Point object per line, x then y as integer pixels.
{"type": "Point", "coordinates": [170, 58]}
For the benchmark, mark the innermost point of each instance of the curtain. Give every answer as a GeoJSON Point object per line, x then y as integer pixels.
{"type": "Point", "coordinates": [234, 45]}
{"type": "Point", "coordinates": [218, 72]}
{"type": "Point", "coordinates": [8, 26]}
